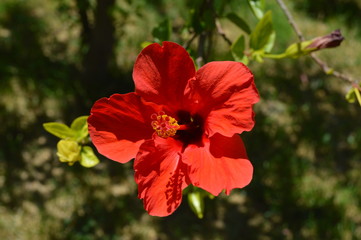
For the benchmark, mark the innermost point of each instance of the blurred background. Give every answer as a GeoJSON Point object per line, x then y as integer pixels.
{"type": "Point", "coordinates": [58, 56]}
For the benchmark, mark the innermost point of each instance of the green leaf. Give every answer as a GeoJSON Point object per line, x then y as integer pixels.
{"type": "Point", "coordinates": [271, 41]}
{"type": "Point", "coordinates": [258, 55]}
{"type": "Point", "coordinates": [237, 49]}
{"type": "Point", "coordinates": [262, 33]}
{"type": "Point", "coordinates": [239, 22]}
{"type": "Point", "coordinates": [88, 158]}
{"type": "Point", "coordinates": [208, 19]}
{"type": "Point", "coordinates": [330, 71]}
{"type": "Point", "coordinates": [196, 202]}
{"type": "Point", "coordinates": [68, 151]}
{"type": "Point", "coordinates": [163, 31]}
{"type": "Point", "coordinates": [79, 123]}
{"type": "Point", "coordinates": [245, 60]}
{"type": "Point", "coordinates": [194, 19]}
{"type": "Point", "coordinates": [257, 7]}
{"type": "Point", "coordinates": [351, 96]}
{"type": "Point", "coordinates": [201, 17]}
{"type": "Point", "coordinates": [145, 44]}
{"type": "Point", "coordinates": [59, 129]}
{"type": "Point", "coordinates": [358, 96]}
{"type": "Point", "coordinates": [80, 127]}
{"type": "Point", "coordinates": [219, 6]}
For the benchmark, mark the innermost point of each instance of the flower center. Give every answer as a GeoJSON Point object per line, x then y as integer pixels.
{"type": "Point", "coordinates": [190, 128]}
{"type": "Point", "coordinates": [164, 125]}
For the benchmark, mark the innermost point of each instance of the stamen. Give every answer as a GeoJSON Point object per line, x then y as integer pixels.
{"type": "Point", "coordinates": [164, 125]}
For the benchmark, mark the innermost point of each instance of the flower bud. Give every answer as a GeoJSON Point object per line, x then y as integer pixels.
{"type": "Point", "coordinates": [68, 151]}
{"type": "Point", "coordinates": [331, 40]}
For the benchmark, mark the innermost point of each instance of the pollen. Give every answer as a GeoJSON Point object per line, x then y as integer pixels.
{"type": "Point", "coordinates": [164, 125]}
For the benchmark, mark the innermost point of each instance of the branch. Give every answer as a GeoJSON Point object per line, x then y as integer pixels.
{"type": "Point", "coordinates": [221, 32]}
{"type": "Point", "coordinates": [337, 74]}
{"type": "Point", "coordinates": [189, 42]}
{"type": "Point", "coordinates": [322, 64]}
{"type": "Point", "coordinates": [291, 20]}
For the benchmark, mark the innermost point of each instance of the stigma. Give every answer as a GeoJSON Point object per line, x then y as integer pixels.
{"type": "Point", "coordinates": [164, 125]}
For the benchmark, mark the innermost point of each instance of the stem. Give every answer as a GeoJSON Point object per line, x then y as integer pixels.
{"type": "Point", "coordinates": [337, 74]}
{"type": "Point", "coordinates": [189, 42]}
{"type": "Point", "coordinates": [291, 20]}
{"type": "Point", "coordinates": [275, 56]}
{"type": "Point", "coordinates": [321, 63]}
{"type": "Point", "coordinates": [221, 32]}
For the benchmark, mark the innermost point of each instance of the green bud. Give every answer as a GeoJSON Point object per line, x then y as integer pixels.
{"type": "Point", "coordinates": [298, 49]}
{"type": "Point", "coordinates": [331, 40]}
{"type": "Point", "coordinates": [68, 151]}
{"type": "Point", "coordinates": [196, 202]}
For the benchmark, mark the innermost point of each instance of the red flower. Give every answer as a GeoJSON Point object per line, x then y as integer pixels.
{"type": "Point", "coordinates": [181, 126]}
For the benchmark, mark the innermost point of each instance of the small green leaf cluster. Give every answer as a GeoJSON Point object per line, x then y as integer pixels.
{"type": "Point", "coordinates": [162, 32]}
{"type": "Point", "coordinates": [252, 44]}
{"type": "Point", "coordinates": [261, 39]}
{"type": "Point", "coordinates": [72, 145]}
{"type": "Point", "coordinates": [354, 94]}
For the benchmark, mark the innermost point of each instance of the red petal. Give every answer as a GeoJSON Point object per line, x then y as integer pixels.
{"type": "Point", "coordinates": [119, 125]}
{"type": "Point", "coordinates": [221, 164]}
{"type": "Point", "coordinates": [225, 91]}
{"type": "Point", "coordinates": [160, 175]}
{"type": "Point", "coordinates": [161, 73]}
{"type": "Point", "coordinates": [235, 115]}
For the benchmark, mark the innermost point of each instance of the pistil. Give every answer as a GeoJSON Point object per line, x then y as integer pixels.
{"type": "Point", "coordinates": [164, 125]}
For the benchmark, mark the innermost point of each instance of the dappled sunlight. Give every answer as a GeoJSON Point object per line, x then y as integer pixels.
{"type": "Point", "coordinates": [58, 57]}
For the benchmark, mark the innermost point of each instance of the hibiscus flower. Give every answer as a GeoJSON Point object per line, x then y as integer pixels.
{"type": "Point", "coordinates": [182, 126]}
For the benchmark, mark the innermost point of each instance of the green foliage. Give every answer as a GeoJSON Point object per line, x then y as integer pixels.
{"type": "Point", "coordinates": [68, 151]}
{"type": "Point", "coordinates": [242, 24]}
{"type": "Point", "coordinates": [60, 130]}
{"type": "Point", "coordinates": [238, 48]}
{"type": "Point", "coordinates": [163, 31]}
{"type": "Point", "coordinates": [262, 34]}
{"type": "Point", "coordinates": [257, 7]}
{"type": "Point", "coordinates": [352, 95]}
{"type": "Point", "coordinates": [270, 43]}
{"type": "Point", "coordinates": [220, 5]}
{"type": "Point", "coordinates": [196, 202]}
{"type": "Point", "coordinates": [145, 44]}
{"type": "Point", "coordinates": [298, 49]}
{"type": "Point", "coordinates": [196, 197]}
{"type": "Point", "coordinates": [71, 147]}
{"type": "Point", "coordinates": [80, 128]}
{"type": "Point", "coordinates": [88, 158]}
{"type": "Point", "coordinates": [261, 41]}
{"type": "Point", "coordinates": [202, 16]}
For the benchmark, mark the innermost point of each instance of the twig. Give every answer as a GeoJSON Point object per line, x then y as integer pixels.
{"type": "Point", "coordinates": [291, 20]}
{"type": "Point", "coordinates": [189, 42]}
{"type": "Point", "coordinates": [329, 70]}
{"type": "Point", "coordinates": [322, 64]}
{"type": "Point", "coordinates": [221, 32]}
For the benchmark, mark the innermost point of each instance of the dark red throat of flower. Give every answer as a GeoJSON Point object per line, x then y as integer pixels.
{"type": "Point", "coordinates": [188, 129]}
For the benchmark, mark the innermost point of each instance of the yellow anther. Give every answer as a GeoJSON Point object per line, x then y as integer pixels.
{"type": "Point", "coordinates": [164, 125]}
